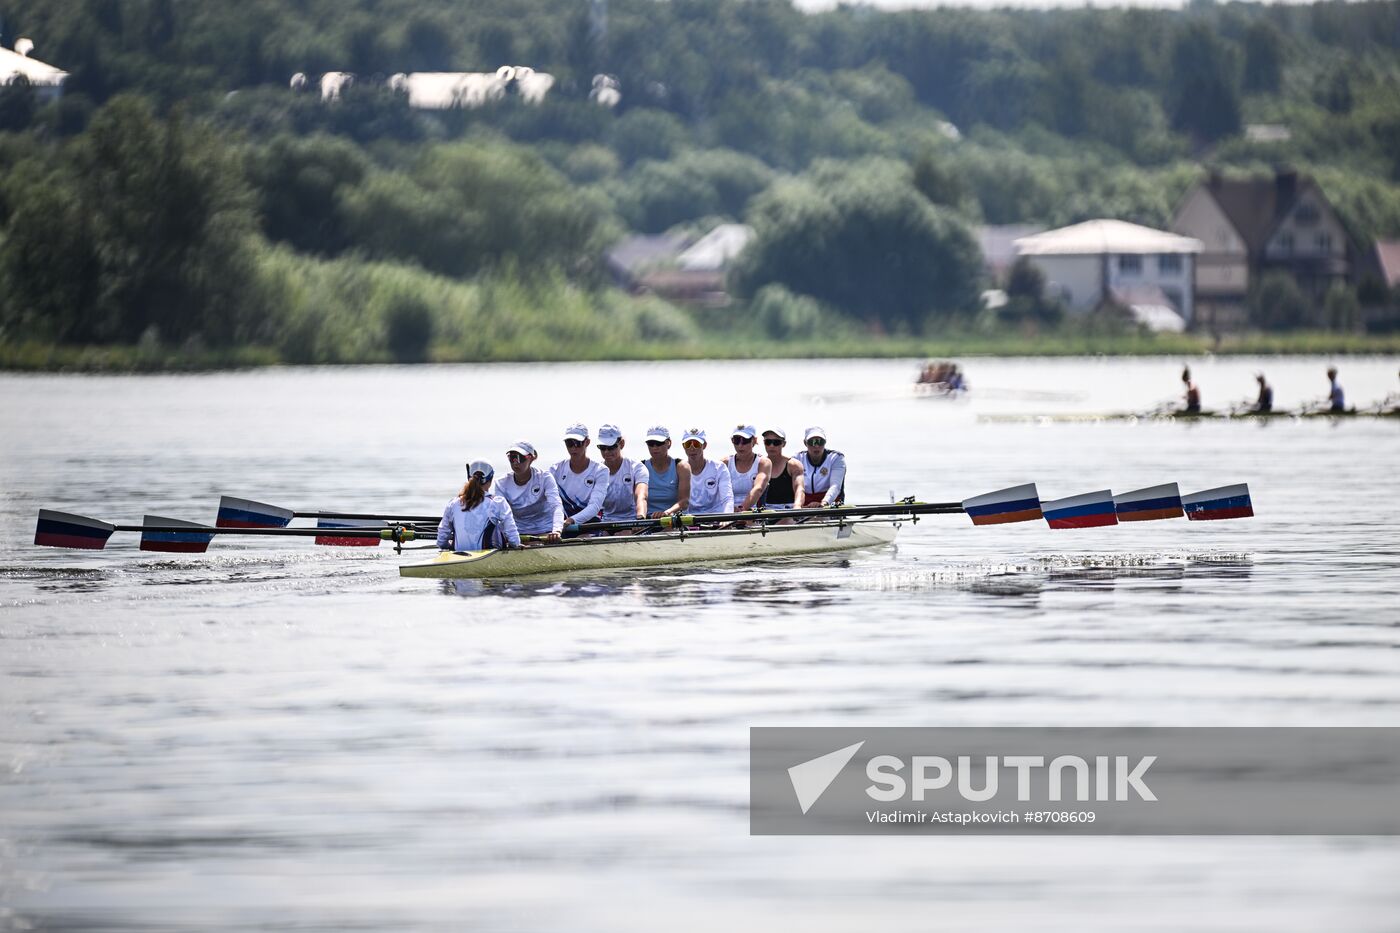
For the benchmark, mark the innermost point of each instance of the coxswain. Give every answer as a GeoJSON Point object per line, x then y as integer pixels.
{"type": "Point", "coordinates": [711, 490]}
{"type": "Point", "coordinates": [1193, 394]}
{"type": "Point", "coordinates": [785, 474]}
{"type": "Point", "coordinates": [748, 469]}
{"type": "Point", "coordinates": [533, 494]}
{"type": "Point", "coordinates": [476, 519]}
{"type": "Point", "coordinates": [583, 484]}
{"type": "Point", "coordinates": [668, 478]}
{"type": "Point", "coordinates": [1265, 402]}
{"type": "Point", "coordinates": [1335, 395]}
{"type": "Point", "coordinates": [626, 496]}
{"type": "Point", "coordinates": [824, 471]}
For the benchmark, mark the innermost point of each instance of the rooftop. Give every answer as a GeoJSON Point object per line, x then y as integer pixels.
{"type": "Point", "coordinates": [1099, 237]}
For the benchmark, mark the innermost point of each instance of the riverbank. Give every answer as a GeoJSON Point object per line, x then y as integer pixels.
{"type": "Point", "coordinates": [33, 356]}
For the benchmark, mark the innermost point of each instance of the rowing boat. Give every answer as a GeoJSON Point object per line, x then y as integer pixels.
{"type": "Point", "coordinates": [657, 550]}
{"type": "Point", "coordinates": [1182, 416]}
{"type": "Point", "coordinates": [651, 542]}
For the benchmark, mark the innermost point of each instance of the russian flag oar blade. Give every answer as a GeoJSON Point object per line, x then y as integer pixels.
{"type": "Point", "coordinates": [245, 513]}
{"type": "Point", "coordinates": [62, 529]}
{"type": "Point", "coordinates": [1150, 504]}
{"type": "Point", "coordinates": [1089, 510]}
{"type": "Point", "coordinates": [341, 540]}
{"type": "Point", "coordinates": [1219, 503]}
{"type": "Point", "coordinates": [175, 542]}
{"type": "Point", "coordinates": [1013, 504]}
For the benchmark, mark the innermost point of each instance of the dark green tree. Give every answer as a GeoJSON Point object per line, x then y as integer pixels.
{"type": "Point", "coordinates": [1204, 90]}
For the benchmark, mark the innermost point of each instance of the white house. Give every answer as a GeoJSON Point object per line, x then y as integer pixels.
{"type": "Point", "coordinates": [46, 80]}
{"type": "Point", "coordinates": [1088, 263]}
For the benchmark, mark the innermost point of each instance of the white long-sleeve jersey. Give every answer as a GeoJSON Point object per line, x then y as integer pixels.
{"type": "Point", "coordinates": [581, 494]}
{"type": "Point", "coordinates": [535, 504]}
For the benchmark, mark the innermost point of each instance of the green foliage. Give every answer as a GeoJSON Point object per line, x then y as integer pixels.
{"type": "Point", "coordinates": [1341, 309]}
{"type": "Point", "coordinates": [1204, 92]}
{"type": "Point", "coordinates": [1278, 304]}
{"type": "Point", "coordinates": [782, 315]}
{"type": "Point", "coordinates": [860, 239]}
{"type": "Point", "coordinates": [655, 196]}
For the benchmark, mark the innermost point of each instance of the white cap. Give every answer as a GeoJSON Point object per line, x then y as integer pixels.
{"type": "Point", "coordinates": [814, 431]}
{"type": "Point", "coordinates": [522, 447]}
{"type": "Point", "coordinates": [778, 431]}
{"type": "Point", "coordinates": [694, 434]}
{"type": "Point", "coordinates": [658, 433]}
{"type": "Point", "coordinates": [482, 467]}
{"type": "Point", "coordinates": [576, 432]}
{"type": "Point", "coordinates": [609, 434]}
{"type": "Point", "coordinates": [745, 430]}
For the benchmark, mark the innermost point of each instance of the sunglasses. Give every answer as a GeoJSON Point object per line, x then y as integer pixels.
{"type": "Point", "coordinates": [657, 443]}
{"type": "Point", "coordinates": [773, 442]}
{"type": "Point", "coordinates": [609, 448]}
{"type": "Point", "coordinates": [572, 444]}
{"type": "Point", "coordinates": [817, 442]}
{"type": "Point", "coordinates": [692, 445]}
{"type": "Point", "coordinates": [516, 458]}
{"type": "Point", "coordinates": [742, 440]}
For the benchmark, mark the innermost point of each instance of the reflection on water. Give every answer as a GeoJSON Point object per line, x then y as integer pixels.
{"type": "Point", "coordinates": [274, 736]}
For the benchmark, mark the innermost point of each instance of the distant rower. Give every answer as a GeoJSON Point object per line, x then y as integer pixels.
{"type": "Point", "coordinates": [1265, 402]}
{"type": "Point", "coordinates": [1193, 394]}
{"type": "Point", "coordinates": [1337, 396]}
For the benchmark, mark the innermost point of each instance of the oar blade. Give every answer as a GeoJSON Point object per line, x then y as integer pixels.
{"type": "Point", "coordinates": [1149, 504]}
{"type": "Point", "coordinates": [1013, 504]}
{"type": "Point", "coordinates": [1089, 510]}
{"type": "Point", "coordinates": [245, 513]}
{"type": "Point", "coordinates": [1223, 502]}
{"type": "Point", "coordinates": [175, 542]}
{"type": "Point", "coordinates": [63, 529]}
{"type": "Point", "coordinates": [343, 540]}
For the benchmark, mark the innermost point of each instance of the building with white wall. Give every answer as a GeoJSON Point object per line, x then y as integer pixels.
{"type": "Point", "coordinates": [1099, 260]}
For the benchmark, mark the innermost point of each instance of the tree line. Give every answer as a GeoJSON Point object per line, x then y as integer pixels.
{"type": "Point", "coordinates": [166, 194]}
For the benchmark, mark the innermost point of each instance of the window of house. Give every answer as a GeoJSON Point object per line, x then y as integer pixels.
{"type": "Point", "coordinates": [1324, 242]}
{"type": "Point", "coordinates": [1306, 215]}
{"type": "Point", "coordinates": [1285, 242]}
{"type": "Point", "coordinates": [1131, 264]}
{"type": "Point", "coordinates": [1169, 264]}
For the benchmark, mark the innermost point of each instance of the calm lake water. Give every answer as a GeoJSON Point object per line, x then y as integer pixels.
{"type": "Point", "coordinates": [273, 735]}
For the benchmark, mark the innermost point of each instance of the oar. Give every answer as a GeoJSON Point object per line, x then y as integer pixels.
{"type": "Point", "coordinates": [774, 515]}
{"type": "Point", "coordinates": [63, 529]}
{"type": "Point", "coordinates": [246, 513]}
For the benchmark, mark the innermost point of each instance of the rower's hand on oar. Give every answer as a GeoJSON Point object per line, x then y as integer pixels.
{"type": "Point", "coordinates": [553, 537]}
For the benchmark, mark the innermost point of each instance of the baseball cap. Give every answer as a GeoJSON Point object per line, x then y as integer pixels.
{"type": "Point", "coordinates": [814, 432]}
{"type": "Point", "coordinates": [522, 447]}
{"type": "Point", "coordinates": [778, 431]}
{"type": "Point", "coordinates": [694, 434]}
{"type": "Point", "coordinates": [609, 434]}
{"type": "Point", "coordinates": [576, 432]}
{"type": "Point", "coordinates": [482, 467]}
{"type": "Point", "coordinates": [745, 430]}
{"type": "Point", "coordinates": [658, 433]}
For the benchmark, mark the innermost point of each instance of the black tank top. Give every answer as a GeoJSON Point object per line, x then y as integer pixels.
{"type": "Point", "coordinates": [779, 491]}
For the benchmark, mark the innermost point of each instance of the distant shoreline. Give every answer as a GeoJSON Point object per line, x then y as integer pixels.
{"type": "Point", "coordinates": [33, 357]}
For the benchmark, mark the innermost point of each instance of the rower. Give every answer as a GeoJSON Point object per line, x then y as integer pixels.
{"type": "Point", "coordinates": [711, 490]}
{"type": "Point", "coordinates": [533, 494]}
{"type": "Point", "coordinates": [824, 471]}
{"type": "Point", "coordinates": [1265, 403]}
{"type": "Point", "coordinates": [1193, 394]}
{"type": "Point", "coordinates": [785, 475]}
{"type": "Point", "coordinates": [583, 484]}
{"type": "Point", "coordinates": [668, 478]}
{"type": "Point", "coordinates": [476, 519]}
{"type": "Point", "coordinates": [1336, 396]}
{"type": "Point", "coordinates": [748, 469]}
{"type": "Point", "coordinates": [626, 496]}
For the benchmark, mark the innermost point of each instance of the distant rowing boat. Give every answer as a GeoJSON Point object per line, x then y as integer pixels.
{"type": "Point", "coordinates": [1207, 415]}
{"type": "Point", "coordinates": [658, 550]}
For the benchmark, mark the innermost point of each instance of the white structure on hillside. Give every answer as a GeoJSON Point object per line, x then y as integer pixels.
{"type": "Point", "coordinates": [716, 250]}
{"type": "Point", "coordinates": [446, 90]}
{"type": "Point", "coordinates": [46, 80]}
{"type": "Point", "coordinates": [1110, 260]}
